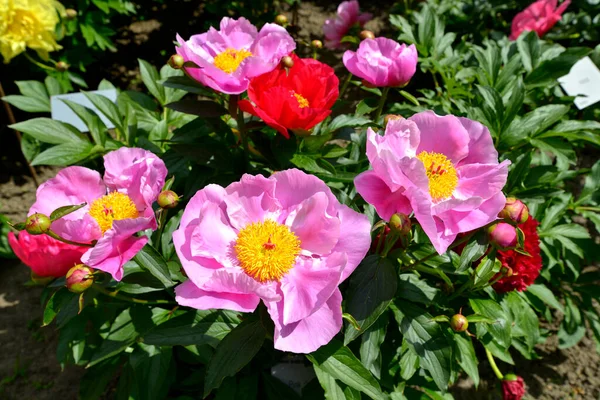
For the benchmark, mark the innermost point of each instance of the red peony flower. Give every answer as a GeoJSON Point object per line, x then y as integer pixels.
{"type": "Point", "coordinates": [44, 255]}
{"type": "Point", "coordinates": [297, 98]}
{"type": "Point", "coordinates": [540, 17]}
{"type": "Point", "coordinates": [525, 269]}
{"type": "Point", "coordinates": [513, 389]}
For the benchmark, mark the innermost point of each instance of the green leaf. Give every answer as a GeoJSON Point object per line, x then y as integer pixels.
{"type": "Point", "coordinates": [370, 347]}
{"type": "Point", "coordinates": [91, 120]}
{"type": "Point", "coordinates": [34, 89]}
{"type": "Point", "coordinates": [372, 288]}
{"type": "Point", "coordinates": [339, 362]}
{"type": "Point", "coordinates": [473, 251]}
{"type": "Point", "coordinates": [465, 355]}
{"type": "Point", "coordinates": [487, 268]}
{"type": "Point", "coordinates": [187, 84]}
{"type": "Point", "coordinates": [201, 108]}
{"type": "Point", "coordinates": [149, 259]}
{"type": "Point", "coordinates": [275, 389]}
{"type": "Point", "coordinates": [525, 321]}
{"type": "Point", "coordinates": [332, 389]}
{"type": "Point", "coordinates": [27, 104]}
{"type": "Point", "coordinates": [50, 131]}
{"type": "Point", "coordinates": [529, 48]}
{"type": "Point", "coordinates": [65, 210]}
{"type": "Point", "coordinates": [150, 77]}
{"type": "Point", "coordinates": [59, 299]}
{"type": "Point", "coordinates": [409, 361]}
{"type": "Point", "coordinates": [410, 287]}
{"type": "Point", "coordinates": [546, 295]}
{"type": "Point", "coordinates": [94, 382]}
{"type": "Point", "coordinates": [427, 339]}
{"type": "Point", "coordinates": [573, 231]}
{"type": "Point", "coordinates": [106, 107]}
{"type": "Point", "coordinates": [550, 70]}
{"type": "Point", "coordinates": [410, 98]}
{"type": "Point", "coordinates": [342, 121]}
{"type": "Point", "coordinates": [53, 86]}
{"type": "Point", "coordinates": [308, 164]}
{"type": "Point", "coordinates": [234, 352]}
{"type": "Point", "coordinates": [150, 366]}
{"type": "Point", "coordinates": [501, 330]}
{"type": "Point", "coordinates": [194, 327]}
{"type": "Point", "coordinates": [64, 154]}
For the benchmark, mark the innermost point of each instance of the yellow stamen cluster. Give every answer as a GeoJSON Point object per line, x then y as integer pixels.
{"type": "Point", "coordinates": [302, 102]}
{"type": "Point", "coordinates": [266, 250]}
{"type": "Point", "coordinates": [112, 207]}
{"type": "Point", "coordinates": [442, 175]}
{"type": "Point", "coordinates": [229, 60]}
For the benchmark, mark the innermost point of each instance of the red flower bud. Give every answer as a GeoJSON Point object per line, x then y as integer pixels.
{"type": "Point", "coordinates": [503, 235]}
{"type": "Point", "coordinates": [168, 199]}
{"type": "Point", "coordinates": [515, 210]}
{"type": "Point", "coordinates": [37, 224]}
{"type": "Point", "coordinates": [176, 61]}
{"type": "Point", "coordinates": [79, 278]}
{"type": "Point", "coordinates": [281, 20]}
{"type": "Point", "coordinates": [317, 44]}
{"type": "Point", "coordinates": [366, 35]}
{"type": "Point", "coordinates": [400, 224]}
{"type": "Point", "coordinates": [513, 387]}
{"type": "Point", "coordinates": [459, 323]}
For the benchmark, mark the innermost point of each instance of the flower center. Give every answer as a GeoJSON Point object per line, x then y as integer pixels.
{"type": "Point", "coordinates": [302, 102]}
{"type": "Point", "coordinates": [24, 24]}
{"type": "Point", "coordinates": [112, 207]}
{"type": "Point", "coordinates": [229, 60]}
{"type": "Point", "coordinates": [441, 173]}
{"type": "Point", "coordinates": [266, 250]}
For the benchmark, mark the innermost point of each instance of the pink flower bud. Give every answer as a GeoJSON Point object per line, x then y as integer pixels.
{"type": "Point", "coordinates": [37, 224]}
{"type": "Point", "coordinates": [513, 387]}
{"type": "Point", "coordinates": [503, 235]}
{"type": "Point", "coordinates": [168, 199]}
{"type": "Point", "coordinates": [459, 323]}
{"type": "Point", "coordinates": [515, 210]}
{"type": "Point", "coordinates": [400, 224]}
{"type": "Point", "coordinates": [79, 278]}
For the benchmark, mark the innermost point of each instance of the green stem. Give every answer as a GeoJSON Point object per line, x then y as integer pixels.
{"type": "Point", "coordinates": [244, 136]}
{"type": "Point", "coordinates": [434, 271]}
{"type": "Point", "coordinates": [596, 209]}
{"type": "Point", "coordinates": [345, 85]}
{"type": "Point", "coordinates": [382, 100]}
{"type": "Point", "coordinates": [118, 296]}
{"type": "Point", "coordinates": [39, 64]}
{"type": "Point", "coordinates": [55, 236]}
{"type": "Point", "coordinates": [461, 289]}
{"type": "Point", "coordinates": [490, 358]}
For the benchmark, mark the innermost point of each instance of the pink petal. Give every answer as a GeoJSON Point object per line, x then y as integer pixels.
{"type": "Point", "coordinates": [294, 186]}
{"type": "Point", "coordinates": [188, 294]}
{"type": "Point", "coordinates": [481, 180]}
{"type": "Point", "coordinates": [376, 192]}
{"type": "Point", "coordinates": [442, 134]}
{"type": "Point", "coordinates": [481, 145]}
{"type": "Point", "coordinates": [234, 280]}
{"type": "Point", "coordinates": [251, 200]}
{"type": "Point", "coordinates": [355, 239]}
{"type": "Point", "coordinates": [213, 236]}
{"type": "Point", "coordinates": [464, 221]}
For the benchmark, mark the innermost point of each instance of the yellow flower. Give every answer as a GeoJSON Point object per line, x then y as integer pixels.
{"type": "Point", "coordinates": [28, 23]}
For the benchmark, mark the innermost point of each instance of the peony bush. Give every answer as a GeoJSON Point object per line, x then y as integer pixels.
{"type": "Point", "coordinates": [394, 224]}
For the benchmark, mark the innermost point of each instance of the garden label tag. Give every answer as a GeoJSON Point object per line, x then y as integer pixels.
{"type": "Point", "coordinates": [61, 112]}
{"type": "Point", "coordinates": [584, 82]}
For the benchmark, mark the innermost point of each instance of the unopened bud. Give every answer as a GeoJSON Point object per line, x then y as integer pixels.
{"type": "Point", "coordinates": [62, 66]}
{"type": "Point", "coordinates": [400, 224]}
{"type": "Point", "coordinates": [503, 235]}
{"type": "Point", "coordinates": [366, 35]}
{"type": "Point", "coordinates": [317, 44]}
{"type": "Point", "coordinates": [510, 377]}
{"type": "Point", "coordinates": [37, 224]}
{"type": "Point", "coordinates": [391, 117]}
{"type": "Point", "coordinates": [176, 61]}
{"type": "Point", "coordinates": [70, 13]}
{"type": "Point", "coordinates": [459, 323]}
{"type": "Point", "coordinates": [79, 278]}
{"type": "Point", "coordinates": [515, 210]}
{"type": "Point", "coordinates": [281, 20]}
{"type": "Point", "coordinates": [506, 271]}
{"type": "Point", "coordinates": [41, 280]}
{"type": "Point", "coordinates": [168, 199]}
{"type": "Point", "coordinates": [287, 61]}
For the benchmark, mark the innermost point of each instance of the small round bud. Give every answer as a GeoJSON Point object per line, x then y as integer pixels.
{"type": "Point", "coordinates": [391, 117]}
{"type": "Point", "coordinates": [70, 13]}
{"type": "Point", "coordinates": [287, 61]}
{"type": "Point", "coordinates": [366, 35]}
{"type": "Point", "coordinates": [176, 61]}
{"type": "Point", "coordinates": [62, 66]}
{"type": "Point", "coordinates": [503, 235]}
{"type": "Point", "coordinates": [400, 223]}
{"type": "Point", "coordinates": [168, 199]}
{"type": "Point", "coordinates": [459, 323]}
{"type": "Point", "coordinates": [510, 377]}
{"type": "Point", "coordinates": [515, 210]}
{"type": "Point", "coordinates": [506, 271]}
{"type": "Point", "coordinates": [317, 44]}
{"type": "Point", "coordinates": [41, 280]}
{"type": "Point", "coordinates": [79, 278]}
{"type": "Point", "coordinates": [281, 20]}
{"type": "Point", "coordinates": [37, 224]}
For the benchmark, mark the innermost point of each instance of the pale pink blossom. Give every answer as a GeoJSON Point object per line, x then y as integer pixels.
{"type": "Point", "coordinates": [540, 17]}
{"type": "Point", "coordinates": [348, 16]}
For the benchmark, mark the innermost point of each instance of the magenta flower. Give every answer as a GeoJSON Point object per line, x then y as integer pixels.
{"type": "Point", "coordinates": [118, 206]}
{"type": "Point", "coordinates": [285, 240]}
{"type": "Point", "coordinates": [348, 15]}
{"type": "Point", "coordinates": [382, 62]}
{"type": "Point", "coordinates": [229, 57]}
{"type": "Point", "coordinates": [540, 17]}
{"type": "Point", "coordinates": [445, 170]}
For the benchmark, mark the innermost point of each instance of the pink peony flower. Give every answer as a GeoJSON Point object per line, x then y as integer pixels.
{"type": "Point", "coordinates": [348, 15]}
{"type": "Point", "coordinates": [285, 240]}
{"type": "Point", "coordinates": [44, 255]}
{"type": "Point", "coordinates": [118, 206]}
{"type": "Point", "coordinates": [229, 57]}
{"type": "Point", "coordinates": [443, 169]}
{"type": "Point", "coordinates": [540, 17]}
{"type": "Point", "coordinates": [382, 62]}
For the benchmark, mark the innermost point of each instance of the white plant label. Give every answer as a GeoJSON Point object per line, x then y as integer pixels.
{"type": "Point", "coordinates": [582, 81]}
{"type": "Point", "coordinates": [61, 112]}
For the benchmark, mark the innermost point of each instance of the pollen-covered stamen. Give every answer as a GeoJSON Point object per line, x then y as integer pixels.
{"type": "Point", "coordinates": [267, 250]}
{"type": "Point", "coordinates": [112, 207]}
{"type": "Point", "coordinates": [302, 101]}
{"type": "Point", "coordinates": [442, 175]}
{"type": "Point", "coordinates": [229, 60]}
